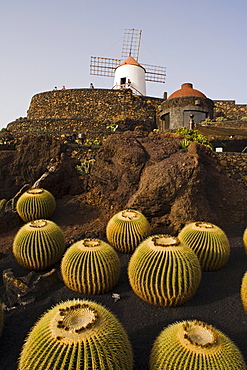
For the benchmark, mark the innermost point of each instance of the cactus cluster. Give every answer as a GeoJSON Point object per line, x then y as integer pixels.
{"type": "Point", "coordinates": [190, 345]}
{"type": "Point", "coordinates": [209, 242]}
{"type": "Point", "coordinates": [90, 266]}
{"type": "Point", "coordinates": [38, 245]}
{"type": "Point", "coordinates": [163, 271]}
{"type": "Point", "coordinates": [127, 229]}
{"type": "Point", "coordinates": [77, 334]}
{"type": "Point", "coordinates": [35, 204]}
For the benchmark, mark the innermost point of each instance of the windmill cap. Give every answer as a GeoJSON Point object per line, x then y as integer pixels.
{"type": "Point", "coordinates": [132, 61]}
{"type": "Point", "coordinates": [187, 90]}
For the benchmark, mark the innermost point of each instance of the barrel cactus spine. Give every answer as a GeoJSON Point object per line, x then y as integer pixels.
{"type": "Point", "coordinates": [77, 334]}
{"type": "Point", "coordinates": [35, 204]}
{"type": "Point", "coordinates": [209, 242]}
{"type": "Point", "coordinates": [194, 344]}
{"type": "Point", "coordinates": [38, 245]}
{"type": "Point", "coordinates": [163, 271]}
{"type": "Point", "coordinates": [127, 229]}
{"type": "Point", "coordinates": [90, 266]}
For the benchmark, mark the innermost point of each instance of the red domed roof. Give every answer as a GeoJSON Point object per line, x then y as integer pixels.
{"type": "Point", "coordinates": [132, 61]}
{"type": "Point", "coordinates": [187, 90]}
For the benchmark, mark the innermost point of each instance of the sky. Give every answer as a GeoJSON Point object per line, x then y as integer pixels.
{"type": "Point", "coordinates": [48, 43]}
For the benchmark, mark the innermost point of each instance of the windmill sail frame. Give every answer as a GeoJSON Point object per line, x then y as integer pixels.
{"type": "Point", "coordinates": [131, 43]}
{"type": "Point", "coordinates": [101, 66]}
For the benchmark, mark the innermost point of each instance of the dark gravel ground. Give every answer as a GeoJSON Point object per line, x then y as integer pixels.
{"type": "Point", "coordinates": [217, 302]}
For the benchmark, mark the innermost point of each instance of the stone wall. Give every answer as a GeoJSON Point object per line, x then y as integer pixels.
{"type": "Point", "coordinates": [88, 109]}
{"type": "Point", "coordinates": [235, 165]}
{"type": "Point", "coordinates": [229, 109]}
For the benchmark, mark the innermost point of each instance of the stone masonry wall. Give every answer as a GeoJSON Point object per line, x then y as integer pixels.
{"type": "Point", "coordinates": [229, 109]}
{"type": "Point", "coordinates": [87, 109]}
{"type": "Point", "coordinates": [235, 165]}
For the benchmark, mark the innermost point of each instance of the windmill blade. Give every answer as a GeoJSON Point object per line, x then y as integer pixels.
{"type": "Point", "coordinates": [131, 43]}
{"type": "Point", "coordinates": [100, 66]}
{"type": "Point", "coordinates": [154, 73]}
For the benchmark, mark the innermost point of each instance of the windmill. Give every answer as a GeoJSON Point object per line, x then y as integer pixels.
{"type": "Point", "coordinates": [127, 71]}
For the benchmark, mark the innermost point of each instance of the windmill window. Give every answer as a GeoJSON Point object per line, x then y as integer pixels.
{"type": "Point", "coordinates": [123, 81]}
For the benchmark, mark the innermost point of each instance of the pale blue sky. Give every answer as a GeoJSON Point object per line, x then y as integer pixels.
{"type": "Point", "coordinates": [47, 43]}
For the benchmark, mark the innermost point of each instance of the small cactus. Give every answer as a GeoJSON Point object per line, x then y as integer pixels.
{"type": "Point", "coordinates": [193, 345]}
{"type": "Point", "coordinates": [127, 229]}
{"type": "Point", "coordinates": [35, 204]}
{"type": "Point", "coordinates": [77, 334]}
{"type": "Point", "coordinates": [209, 242]}
{"type": "Point", "coordinates": [2, 204]}
{"type": "Point", "coordinates": [164, 271]}
{"type": "Point", "coordinates": [90, 266]}
{"type": "Point", "coordinates": [243, 291]}
{"type": "Point", "coordinates": [38, 245]}
{"type": "Point", "coordinates": [184, 143]}
{"type": "Point", "coordinates": [245, 240]}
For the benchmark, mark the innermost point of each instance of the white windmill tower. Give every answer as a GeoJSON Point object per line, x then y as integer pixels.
{"type": "Point", "coordinates": [128, 73]}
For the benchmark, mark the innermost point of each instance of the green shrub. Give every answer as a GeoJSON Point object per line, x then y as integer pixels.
{"type": "Point", "coordinates": [112, 127]}
{"type": "Point", "coordinates": [92, 142]}
{"type": "Point", "coordinates": [194, 135]}
{"type": "Point", "coordinates": [220, 119]}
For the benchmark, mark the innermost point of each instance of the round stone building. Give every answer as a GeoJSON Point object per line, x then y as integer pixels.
{"type": "Point", "coordinates": [177, 109]}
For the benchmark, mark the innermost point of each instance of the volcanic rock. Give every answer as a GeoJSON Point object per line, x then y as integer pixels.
{"type": "Point", "coordinates": [171, 186]}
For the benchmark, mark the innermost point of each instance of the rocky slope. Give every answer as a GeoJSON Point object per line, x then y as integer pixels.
{"type": "Point", "coordinates": [141, 170]}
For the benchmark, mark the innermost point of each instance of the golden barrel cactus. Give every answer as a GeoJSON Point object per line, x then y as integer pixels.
{"type": "Point", "coordinates": [163, 271]}
{"type": "Point", "coordinates": [38, 245]}
{"type": "Point", "coordinates": [245, 240]}
{"type": "Point", "coordinates": [90, 266]}
{"type": "Point", "coordinates": [243, 291]}
{"type": "Point", "coordinates": [77, 334]}
{"type": "Point", "coordinates": [209, 242]}
{"type": "Point", "coordinates": [35, 204]}
{"type": "Point", "coordinates": [194, 345]}
{"type": "Point", "coordinates": [127, 229]}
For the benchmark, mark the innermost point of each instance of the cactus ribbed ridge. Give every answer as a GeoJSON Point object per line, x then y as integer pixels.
{"type": "Point", "coordinates": [209, 242]}
{"type": "Point", "coordinates": [77, 335]}
{"type": "Point", "coordinates": [127, 229]}
{"type": "Point", "coordinates": [90, 266]}
{"type": "Point", "coordinates": [35, 204]}
{"type": "Point", "coordinates": [38, 245]}
{"type": "Point", "coordinates": [163, 271]}
{"type": "Point", "coordinates": [190, 345]}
